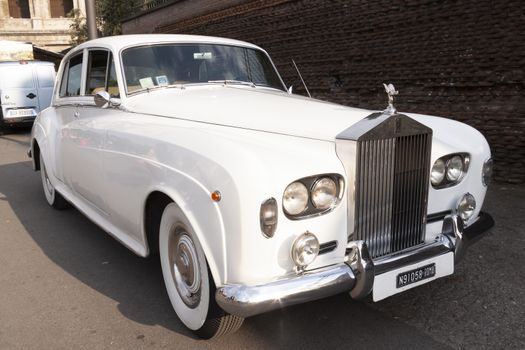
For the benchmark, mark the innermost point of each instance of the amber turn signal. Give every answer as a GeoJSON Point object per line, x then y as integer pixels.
{"type": "Point", "coordinates": [216, 196]}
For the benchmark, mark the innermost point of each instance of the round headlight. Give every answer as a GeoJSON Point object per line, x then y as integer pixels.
{"type": "Point", "coordinates": [324, 193]}
{"type": "Point", "coordinates": [466, 206]}
{"type": "Point", "coordinates": [454, 168]}
{"type": "Point", "coordinates": [305, 249]}
{"type": "Point", "coordinates": [438, 172]}
{"type": "Point", "coordinates": [487, 172]}
{"type": "Point", "coordinates": [295, 198]}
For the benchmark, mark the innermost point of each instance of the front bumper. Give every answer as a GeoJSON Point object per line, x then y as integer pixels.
{"type": "Point", "coordinates": [355, 275]}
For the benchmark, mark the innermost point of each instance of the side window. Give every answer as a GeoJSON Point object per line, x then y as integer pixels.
{"type": "Point", "coordinates": [97, 67]}
{"type": "Point", "coordinates": [101, 73]}
{"type": "Point", "coordinates": [71, 77]}
{"type": "Point", "coordinates": [112, 80]}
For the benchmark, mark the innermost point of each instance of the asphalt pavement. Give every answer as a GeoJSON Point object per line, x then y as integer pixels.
{"type": "Point", "coordinates": [65, 284]}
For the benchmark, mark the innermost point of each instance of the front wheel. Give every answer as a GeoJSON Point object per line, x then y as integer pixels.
{"type": "Point", "coordinates": [53, 197]}
{"type": "Point", "coordinates": [188, 282]}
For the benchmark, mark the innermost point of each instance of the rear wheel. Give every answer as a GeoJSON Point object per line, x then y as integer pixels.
{"type": "Point", "coordinates": [188, 282]}
{"type": "Point", "coordinates": [53, 197]}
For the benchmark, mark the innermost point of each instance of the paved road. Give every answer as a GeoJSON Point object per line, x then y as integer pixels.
{"type": "Point", "coordinates": [65, 284]}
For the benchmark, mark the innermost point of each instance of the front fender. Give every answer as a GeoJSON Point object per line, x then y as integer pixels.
{"type": "Point", "coordinates": [188, 161]}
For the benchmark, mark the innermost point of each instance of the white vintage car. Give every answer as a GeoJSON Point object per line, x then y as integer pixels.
{"type": "Point", "coordinates": [254, 198]}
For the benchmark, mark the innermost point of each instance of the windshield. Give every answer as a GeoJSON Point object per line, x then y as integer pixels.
{"type": "Point", "coordinates": [163, 65]}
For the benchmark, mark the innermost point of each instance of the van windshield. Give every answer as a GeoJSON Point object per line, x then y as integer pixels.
{"type": "Point", "coordinates": [16, 77]}
{"type": "Point", "coordinates": [170, 64]}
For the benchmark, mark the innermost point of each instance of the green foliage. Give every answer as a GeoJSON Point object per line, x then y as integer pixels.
{"type": "Point", "coordinates": [111, 12]}
{"type": "Point", "coordinates": [77, 28]}
{"type": "Point", "coordinates": [109, 18]}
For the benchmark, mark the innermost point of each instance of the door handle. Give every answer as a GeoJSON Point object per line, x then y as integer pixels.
{"type": "Point", "coordinates": [31, 95]}
{"type": "Point", "coordinates": [76, 114]}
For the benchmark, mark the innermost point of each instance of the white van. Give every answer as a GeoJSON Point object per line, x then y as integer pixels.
{"type": "Point", "coordinates": [26, 88]}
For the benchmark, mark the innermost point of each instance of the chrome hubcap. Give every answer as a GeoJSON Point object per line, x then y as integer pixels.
{"type": "Point", "coordinates": [185, 267]}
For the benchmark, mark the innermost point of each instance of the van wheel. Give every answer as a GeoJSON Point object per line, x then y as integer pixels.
{"type": "Point", "coordinates": [187, 278]}
{"type": "Point", "coordinates": [53, 197]}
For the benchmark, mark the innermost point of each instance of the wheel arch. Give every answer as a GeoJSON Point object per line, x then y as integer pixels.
{"type": "Point", "coordinates": [155, 203]}
{"type": "Point", "coordinates": [38, 143]}
{"type": "Point", "coordinates": [35, 155]}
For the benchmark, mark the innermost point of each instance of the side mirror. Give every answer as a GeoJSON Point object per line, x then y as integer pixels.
{"type": "Point", "coordinates": [290, 89]}
{"type": "Point", "coordinates": [103, 100]}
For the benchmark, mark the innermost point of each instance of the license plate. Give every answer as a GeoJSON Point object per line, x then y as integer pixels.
{"type": "Point", "coordinates": [416, 275]}
{"type": "Point", "coordinates": [18, 113]}
{"type": "Point", "coordinates": [412, 275]}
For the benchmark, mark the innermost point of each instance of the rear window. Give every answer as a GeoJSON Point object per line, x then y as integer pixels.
{"type": "Point", "coordinates": [16, 77]}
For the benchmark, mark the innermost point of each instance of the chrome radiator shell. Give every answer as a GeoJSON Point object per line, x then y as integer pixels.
{"type": "Point", "coordinates": [387, 161]}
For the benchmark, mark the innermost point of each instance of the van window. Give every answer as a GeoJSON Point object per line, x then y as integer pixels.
{"type": "Point", "coordinates": [46, 76]}
{"type": "Point", "coordinates": [97, 68]}
{"type": "Point", "coordinates": [16, 77]}
{"type": "Point", "coordinates": [71, 82]}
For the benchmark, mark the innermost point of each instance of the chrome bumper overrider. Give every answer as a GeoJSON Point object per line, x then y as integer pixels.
{"type": "Point", "coordinates": [355, 275]}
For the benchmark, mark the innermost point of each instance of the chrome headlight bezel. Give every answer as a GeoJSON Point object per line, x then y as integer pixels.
{"type": "Point", "coordinates": [446, 181]}
{"type": "Point", "coordinates": [268, 217]}
{"type": "Point", "coordinates": [438, 172]}
{"type": "Point", "coordinates": [466, 207]}
{"type": "Point", "coordinates": [305, 250]}
{"type": "Point", "coordinates": [311, 209]}
{"type": "Point", "coordinates": [324, 193]}
{"type": "Point", "coordinates": [455, 168]}
{"type": "Point", "coordinates": [298, 192]}
{"type": "Point", "coordinates": [486, 172]}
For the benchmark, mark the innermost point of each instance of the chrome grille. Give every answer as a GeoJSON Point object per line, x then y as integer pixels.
{"type": "Point", "coordinates": [391, 191]}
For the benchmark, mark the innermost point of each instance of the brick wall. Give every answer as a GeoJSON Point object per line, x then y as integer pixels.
{"type": "Point", "coordinates": [460, 59]}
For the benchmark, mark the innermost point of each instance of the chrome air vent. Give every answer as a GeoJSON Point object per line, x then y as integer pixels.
{"type": "Point", "coordinates": [387, 158]}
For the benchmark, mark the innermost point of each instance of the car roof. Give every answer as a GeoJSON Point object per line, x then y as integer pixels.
{"type": "Point", "coordinates": [121, 41]}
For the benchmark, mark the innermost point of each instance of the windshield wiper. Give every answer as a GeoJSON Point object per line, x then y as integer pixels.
{"type": "Point", "coordinates": [156, 87]}
{"type": "Point", "coordinates": [231, 81]}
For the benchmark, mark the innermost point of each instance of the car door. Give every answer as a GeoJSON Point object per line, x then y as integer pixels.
{"type": "Point", "coordinates": [81, 136]}
{"type": "Point", "coordinates": [87, 134]}
{"type": "Point", "coordinates": [18, 91]}
{"type": "Point", "coordinates": [65, 109]}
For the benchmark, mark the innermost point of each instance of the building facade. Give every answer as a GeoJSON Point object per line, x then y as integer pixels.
{"type": "Point", "coordinates": [463, 59]}
{"type": "Point", "coordinates": [41, 22]}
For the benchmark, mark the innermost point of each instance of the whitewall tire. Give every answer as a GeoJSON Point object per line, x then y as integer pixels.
{"type": "Point", "coordinates": [53, 197]}
{"type": "Point", "coordinates": [188, 282]}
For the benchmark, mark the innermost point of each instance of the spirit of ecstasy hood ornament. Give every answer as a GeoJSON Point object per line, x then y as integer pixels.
{"type": "Point", "coordinates": [391, 91]}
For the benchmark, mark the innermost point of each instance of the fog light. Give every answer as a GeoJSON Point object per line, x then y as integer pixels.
{"type": "Point", "coordinates": [304, 250]}
{"type": "Point", "coordinates": [268, 217]}
{"type": "Point", "coordinates": [466, 206]}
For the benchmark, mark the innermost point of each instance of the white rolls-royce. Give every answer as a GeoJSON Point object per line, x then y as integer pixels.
{"type": "Point", "coordinates": [254, 198]}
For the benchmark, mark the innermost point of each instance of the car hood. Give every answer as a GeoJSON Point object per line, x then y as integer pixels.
{"type": "Point", "coordinates": [249, 108]}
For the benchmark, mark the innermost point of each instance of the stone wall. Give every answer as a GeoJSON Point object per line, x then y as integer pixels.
{"type": "Point", "coordinates": [459, 59]}
{"type": "Point", "coordinates": [43, 31]}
